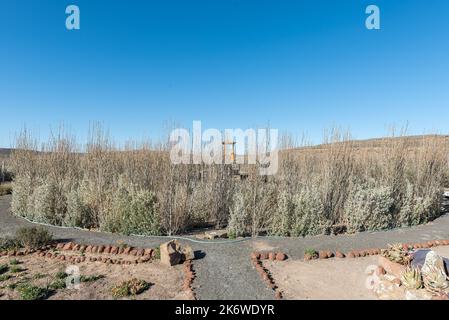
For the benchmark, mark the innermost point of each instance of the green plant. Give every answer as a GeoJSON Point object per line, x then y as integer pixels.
{"type": "Point", "coordinates": [34, 237]}
{"type": "Point", "coordinates": [397, 253]}
{"type": "Point", "coordinates": [16, 269]}
{"type": "Point", "coordinates": [30, 292]}
{"type": "Point", "coordinates": [57, 284]}
{"type": "Point", "coordinates": [5, 277]}
{"type": "Point", "coordinates": [38, 276]}
{"type": "Point", "coordinates": [312, 253]}
{"type": "Point", "coordinates": [3, 268]}
{"type": "Point", "coordinates": [435, 280]}
{"type": "Point", "coordinates": [130, 288]}
{"type": "Point", "coordinates": [411, 278]}
{"type": "Point", "coordinates": [61, 275]}
{"type": "Point", "coordinates": [157, 253]}
{"type": "Point", "coordinates": [8, 244]}
{"type": "Point", "coordinates": [14, 262]}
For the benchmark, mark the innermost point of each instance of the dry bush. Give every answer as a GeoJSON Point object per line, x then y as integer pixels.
{"type": "Point", "coordinates": [136, 189]}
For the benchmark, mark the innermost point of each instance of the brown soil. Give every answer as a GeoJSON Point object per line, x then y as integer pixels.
{"type": "Point", "coordinates": [341, 279]}
{"type": "Point", "coordinates": [166, 283]}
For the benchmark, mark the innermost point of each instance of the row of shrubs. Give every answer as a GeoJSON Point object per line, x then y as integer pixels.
{"type": "Point", "coordinates": [138, 191]}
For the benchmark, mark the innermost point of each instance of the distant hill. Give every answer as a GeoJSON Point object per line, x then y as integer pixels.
{"type": "Point", "coordinates": [412, 141]}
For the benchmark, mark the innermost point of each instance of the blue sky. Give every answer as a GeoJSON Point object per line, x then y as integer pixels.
{"type": "Point", "coordinates": [299, 66]}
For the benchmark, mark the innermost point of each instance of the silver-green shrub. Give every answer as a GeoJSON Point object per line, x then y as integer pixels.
{"type": "Point", "coordinates": [369, 207]}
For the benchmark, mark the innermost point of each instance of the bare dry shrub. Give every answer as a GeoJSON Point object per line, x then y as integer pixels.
{"type": "Point", "coordinates": [136, 189]}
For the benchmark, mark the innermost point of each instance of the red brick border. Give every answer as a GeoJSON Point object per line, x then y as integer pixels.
{"type": "Point", "coordinates": [142, 255]}
{"type": "Point", "coordinates": [189, 276]}
{"type": "Point", "coordinates": [256, 258]}
{"type": "Point", "coordinates": [323, 254]}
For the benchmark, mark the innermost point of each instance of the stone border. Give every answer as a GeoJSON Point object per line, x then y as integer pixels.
{"type": "Point", "coordinates": [144, 255]}
{"type": "Point", "coordinates": [323, 254]}
{"type": "Point", "coordinates": [257, 258]}
{"type": "Point", "coordinates": [189, 276]}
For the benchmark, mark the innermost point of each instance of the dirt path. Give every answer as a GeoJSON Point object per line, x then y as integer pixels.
{"type": "Point", "coordinates": [224, 270]}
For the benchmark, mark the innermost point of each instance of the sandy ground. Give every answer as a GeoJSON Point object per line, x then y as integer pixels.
{"type": "Point", "coordinates": [342, 279]}
{"type": "Point", "coordinates": [166, 283]}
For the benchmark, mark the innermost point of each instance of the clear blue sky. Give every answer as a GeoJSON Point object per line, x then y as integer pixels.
{"type": "Point", "coordinates": [301, 66]}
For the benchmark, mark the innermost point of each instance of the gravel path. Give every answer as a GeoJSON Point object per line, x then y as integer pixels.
{"type": "Point", "coordinates": [224, 270]}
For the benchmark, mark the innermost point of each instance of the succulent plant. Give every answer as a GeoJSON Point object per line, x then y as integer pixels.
{"type": "Point", "coordinates": [397, 253]}
{"type": "Point", "coordinates": [411, 278]}
{"type": "Point", "coordinates": [435, 280]}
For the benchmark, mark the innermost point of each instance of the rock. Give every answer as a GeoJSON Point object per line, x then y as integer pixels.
{"type": "Point", "coordinates": [60, 246]}
{"type": "Point", "coordinates": [280, 256]}
{"type": "Point", "coordinates": [107, 249]}
{"type": "Point", "coordinates": [83, 248]}
{"type": "Point", "coordinates": [68, 246]}
{"type": "Point", "coordinates": [114, 250]}
{"type": "Point", "coordinates": [76, 247]}
{"type": "Point", "coordinates": [330, 254]}
{"type": "Point", "coordinates": [94, 249]}
{"type": "Point", "coordinates": [434, 264]}
{"type": "Point", "coordinates": [339, 254]}
{"type": "Point", "coordinates": [263, 256]}
{"type": "Point", "coordinates": [322, 255]}
{"type": "Point", "coordinates": [89, 249]}
{"type": "Point", "coordinates": [101, 249]}
{"type": "Point", "coordinates": [211, 235]}
{"type": "Point", "coordinates": [121, 250]}
{"type": "Point", "coordinates": [397, 282]}
{"type": "Point", "coordinates": [380, 271]}
{"type": "Point", "coordinates": [216, 234]}
{"type": "Point", "coordinates": [271, 256]}
{"type": "Point", "coordinates": [148, 252]}
{"type": "Point", "coordinates": [418, 295]}
{"type": "Point", "coordinates": [187, 253]}
{"type": "Point", "coordinates": [385, 290]}
{"type": "Point", "coordinates": [133, 252]}
{"type": "Point", "coordinates": [127, 250]}
{"type": "Point", "coordinates": [307, 257]}
{"type": "Point", "coordinates": [441, 296]}
{"type": "Point", "coordinates": [140, 252]}
{"type": "Point", "coordinates": [278, 295]}
{"type": "Point", "coordinates": [392, 268]}
{"type": "Point", "coordinates": [350, 254]}
{"type": "Point", "coordinates": [255, 255]}
{"type": "Point", "coordinates": [171, 253]}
